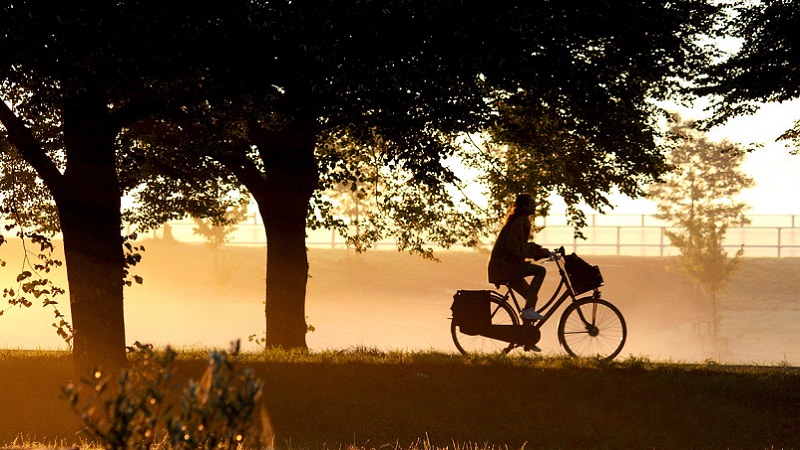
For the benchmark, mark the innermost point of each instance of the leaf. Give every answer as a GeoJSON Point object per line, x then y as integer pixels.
{"type": "Point", "coordinates": [23, 276]}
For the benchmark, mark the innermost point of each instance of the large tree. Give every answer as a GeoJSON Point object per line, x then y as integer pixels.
{"type": "Point", "coordinates": [402, 80]}
{"type": "Point", "coordinates": [91, 69]}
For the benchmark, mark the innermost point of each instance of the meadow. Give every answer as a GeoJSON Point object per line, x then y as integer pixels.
{"type": "Point", "coordinates": [382, 371]}
{"type": "Point", "coordinates": [365, 399]}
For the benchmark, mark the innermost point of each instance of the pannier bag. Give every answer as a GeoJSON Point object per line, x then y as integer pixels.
{"type": "Point", "coordinates": [583, 276]}
{"type": "Point", "coordinates": [472, 311]}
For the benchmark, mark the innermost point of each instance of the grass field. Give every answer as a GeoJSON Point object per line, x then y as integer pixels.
{"type": "Point", "coordinates": [417, 400]}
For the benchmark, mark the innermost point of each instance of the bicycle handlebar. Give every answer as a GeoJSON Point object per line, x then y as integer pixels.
{"type": "Point", "coordinates": [555, 254]}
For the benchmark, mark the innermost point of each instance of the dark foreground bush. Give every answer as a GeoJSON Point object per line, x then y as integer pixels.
{"type": "Point", "coordinates": [137, 410]}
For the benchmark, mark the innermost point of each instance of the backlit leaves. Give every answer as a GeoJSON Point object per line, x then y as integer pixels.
{"type": "Point", "coordinates": [764, 64]}
{"type": "Point", "coordinates": [32, 285]}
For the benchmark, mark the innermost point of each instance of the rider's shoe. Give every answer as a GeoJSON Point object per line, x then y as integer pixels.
{"type": "Point", "coordinates": [531, 314]}
{"type": "Point", "coordinates": [532, 348]}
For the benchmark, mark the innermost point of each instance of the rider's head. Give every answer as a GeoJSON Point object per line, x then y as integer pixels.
{"type": "Point", "coordinates": [524, 204]}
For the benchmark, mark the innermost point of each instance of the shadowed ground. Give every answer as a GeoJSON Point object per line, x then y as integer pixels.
{"type": "Point", "coordinates": [404, 401]}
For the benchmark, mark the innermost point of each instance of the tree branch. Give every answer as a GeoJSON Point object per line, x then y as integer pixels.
{"type": "Point", "coordinates": [135, 110]}
{"type": "Point", "coordinates": [236, 160]}
{"type": "Point", "coordinates": [29, 148]}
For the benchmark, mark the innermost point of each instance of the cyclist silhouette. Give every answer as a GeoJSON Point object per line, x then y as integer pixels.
{"type": "Point", "coordinates": [509, 263]}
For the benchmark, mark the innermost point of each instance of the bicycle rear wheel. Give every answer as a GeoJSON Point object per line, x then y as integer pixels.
{"type": "Point", "coordinates": [502, 314]}
{"type": "Point", "coordinates": [592, 328]}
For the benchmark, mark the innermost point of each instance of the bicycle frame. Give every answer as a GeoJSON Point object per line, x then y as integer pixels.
{"type": "Point", "coordinates": [556, 300]}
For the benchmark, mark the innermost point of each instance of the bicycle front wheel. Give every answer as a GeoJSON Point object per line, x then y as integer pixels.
{"type": "Point", "coordinates": [592, 328]}
{"type": "Point", "coordinates": [502, 314]}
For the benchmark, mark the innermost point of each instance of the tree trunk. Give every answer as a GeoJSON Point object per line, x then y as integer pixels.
{"type": "Point", "coordinates": [715, 324]}
{"type": "Point", "coordinates": [287, 270]}
{"type": "Point", "coordinates": [291, 178]}
{"type": "Point", "coordinates": [89, 212]}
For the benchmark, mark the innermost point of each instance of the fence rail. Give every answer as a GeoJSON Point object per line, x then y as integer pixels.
{"type": "Point", "coordinates": [634, 235]}
{"type": "Point", "coordinates": [653, 241]}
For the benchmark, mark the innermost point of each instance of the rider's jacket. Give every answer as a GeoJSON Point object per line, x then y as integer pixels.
{"type": "Point", "coordinates": [512, 248]}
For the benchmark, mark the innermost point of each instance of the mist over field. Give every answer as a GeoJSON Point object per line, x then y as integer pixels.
{"type": "Point", "coordinates": [196, 296]}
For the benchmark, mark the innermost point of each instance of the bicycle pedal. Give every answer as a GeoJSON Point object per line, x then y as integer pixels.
{"type": "Point", "coordinates": [532, 348]}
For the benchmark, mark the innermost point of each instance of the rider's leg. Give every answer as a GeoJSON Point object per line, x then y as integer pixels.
{"type": "Point", "coordinates": [532, 295]}
{"type": "Point", "coordinates": [520, 285]}
{"type": "Point", "coordinates": [529, 290]}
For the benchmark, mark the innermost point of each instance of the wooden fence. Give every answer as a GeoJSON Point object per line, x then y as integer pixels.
{"type": "Point", "coordinates": [635, 235]}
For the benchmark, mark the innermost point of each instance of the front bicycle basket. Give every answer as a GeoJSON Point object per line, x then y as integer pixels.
{"type": "Point", "coordinates": [472, 311]}
{"type": "Point", "coordinates": [583, 276]}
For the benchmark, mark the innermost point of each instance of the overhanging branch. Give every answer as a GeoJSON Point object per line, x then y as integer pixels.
{"type": "Point", "coordinates": [29, 148]}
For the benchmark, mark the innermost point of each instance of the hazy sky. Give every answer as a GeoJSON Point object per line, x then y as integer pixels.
{"type": "Point", "coordinates": [776, 171]}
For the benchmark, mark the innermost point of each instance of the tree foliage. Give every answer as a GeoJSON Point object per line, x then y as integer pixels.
{"type": "Point", "coordinates": [699, 198]}
{"type": "Point", "coordinates": [763, 68]}
{"type": "Point", "coordinates": [584, 124]}
{"type": "Point", "coordinates": [368, 200]}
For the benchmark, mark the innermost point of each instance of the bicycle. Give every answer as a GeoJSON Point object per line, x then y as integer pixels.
{"type": "Point", "coordinates": [589, 326]}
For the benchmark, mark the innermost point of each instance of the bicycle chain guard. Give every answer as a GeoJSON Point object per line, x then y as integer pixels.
{"type": "Point", "coordinates": [514, 334]}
